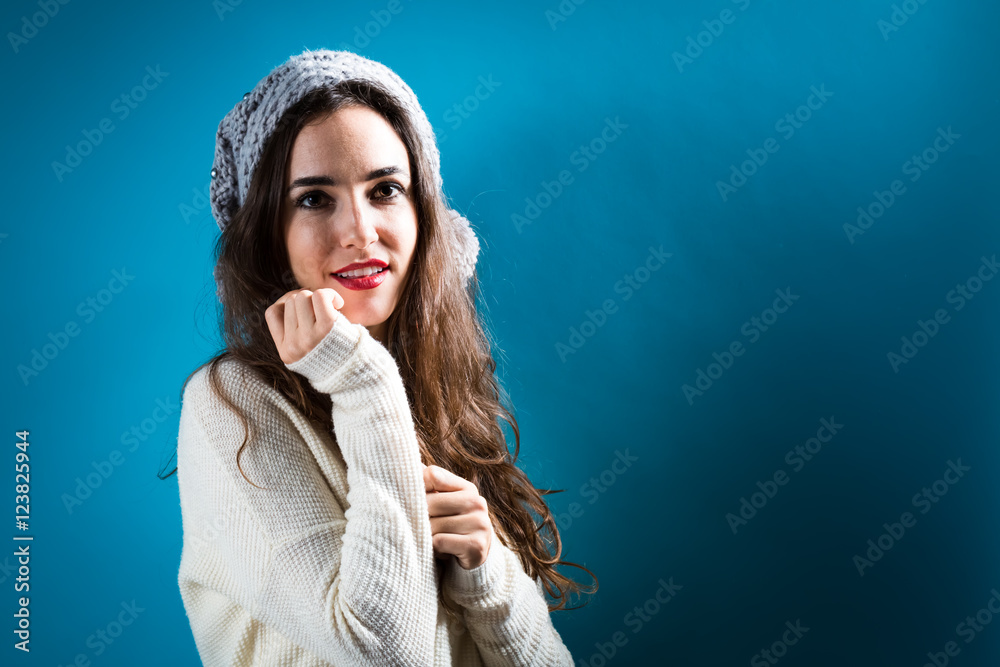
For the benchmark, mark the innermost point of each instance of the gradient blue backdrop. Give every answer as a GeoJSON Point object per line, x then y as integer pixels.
{"type": "Point", "coordinates": [135, 205]}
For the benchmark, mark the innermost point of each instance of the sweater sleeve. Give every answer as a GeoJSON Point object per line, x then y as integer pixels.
{"type": "Point", "coordinates": [506, 611]}
{"type": "Point", "coordinates": [355, 587]}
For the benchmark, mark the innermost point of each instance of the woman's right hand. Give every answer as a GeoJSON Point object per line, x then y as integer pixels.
{"type": "Point", "coordinates": [300, 319]}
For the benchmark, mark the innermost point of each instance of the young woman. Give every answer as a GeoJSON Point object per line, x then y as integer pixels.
{"type": "Point", "coordinates": [347, 493]}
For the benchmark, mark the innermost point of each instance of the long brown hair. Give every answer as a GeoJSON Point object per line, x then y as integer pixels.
{"type": "Point", "coordinates": [442, 350]}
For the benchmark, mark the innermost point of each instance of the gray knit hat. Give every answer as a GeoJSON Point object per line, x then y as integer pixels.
{"type": "Point", "coordinates": [246, 128]}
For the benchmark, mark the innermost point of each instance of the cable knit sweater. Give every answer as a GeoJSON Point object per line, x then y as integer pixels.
{"type": "Point", "coordinates": [332, 562]}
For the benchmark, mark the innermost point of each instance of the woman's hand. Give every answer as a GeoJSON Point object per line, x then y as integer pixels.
{"type": "Point", "coordinates": [460, 521]}
{"type": "Point", "coordinates": [300, 319]}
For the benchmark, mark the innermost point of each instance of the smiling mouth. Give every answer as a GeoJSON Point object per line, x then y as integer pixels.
{"type": "Point", "coordinates": [364, 282]}
{"type": "Point", "coordinates": [351, 275]}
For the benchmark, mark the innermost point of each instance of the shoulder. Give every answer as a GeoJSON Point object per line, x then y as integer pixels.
{"type": "Point", "coordinates": [229, 373]}
{"type": "Point", "coordinates": [226, 381]}
{"type": "Point", "coordinates": [258, 440]}
{"type": "Point", "coordinates": [232, 403]}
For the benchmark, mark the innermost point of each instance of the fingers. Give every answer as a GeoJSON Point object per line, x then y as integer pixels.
{"type": "Point", "coordinates": [437, 478]}
{"type": "Point", "coordinates": [282, 322]}
{"type": "Point", "coordinates": [465, 524]}
{"type": "Point", "coordinates": [307, 306]}
{"type": "Point", "coordinates": [470, 550]}
{"type": "Point", "coordinates": [300, 318]}
{"type": "Point", "coordinates": [275, 318]}
{"type": "Point", "coordinates": [334, 297]}
{"type": "Point", "coordinates": [451, 503]}
{"type": "Point", "coordinates": [326, 303]}
{"type": "Point", "coordinates": [459, 517]}
{"type": "Point", "coordinates": [305, 317]}
{"type": "Point", "coordinates": [291, 321]}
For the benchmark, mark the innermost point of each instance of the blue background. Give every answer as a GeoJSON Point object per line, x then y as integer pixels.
{"type": "Point", "coordinates": [134, 204]}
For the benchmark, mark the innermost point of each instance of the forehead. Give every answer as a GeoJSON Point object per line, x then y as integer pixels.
{"type": "Point", "coordinates": [349, 142]}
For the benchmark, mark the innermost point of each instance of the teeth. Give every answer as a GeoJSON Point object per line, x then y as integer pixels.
{"type": "Point", "coordinates": [359, 273]}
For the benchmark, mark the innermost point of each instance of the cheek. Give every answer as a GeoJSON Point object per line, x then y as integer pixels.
{"type": "Point", "coordinates": [304, 246]}
{"type": "Point", "coordinates": [403, 234]}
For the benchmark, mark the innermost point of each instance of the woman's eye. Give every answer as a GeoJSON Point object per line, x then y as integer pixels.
{"type": "Point", "coordinates": [383, 191]}
{"type": "Point", "coordinates": [309, 196]}
{"type": "Point", "coordinates": [386, 189]}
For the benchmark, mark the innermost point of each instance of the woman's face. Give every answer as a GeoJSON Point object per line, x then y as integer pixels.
{"type": "Point", "coordinates": [347, 201]}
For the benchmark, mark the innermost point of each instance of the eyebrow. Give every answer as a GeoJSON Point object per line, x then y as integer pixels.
{"type": "Point", "coordinates": [306, 181]}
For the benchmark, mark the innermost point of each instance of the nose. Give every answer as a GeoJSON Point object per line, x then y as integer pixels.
{"type": "Point", "coordinates": [355, 226]}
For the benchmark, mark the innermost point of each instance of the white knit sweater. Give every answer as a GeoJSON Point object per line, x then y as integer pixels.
{"type": "Point", "coordinates": [332, 563]}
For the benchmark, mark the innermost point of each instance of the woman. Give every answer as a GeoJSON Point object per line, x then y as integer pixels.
{"type": "Point", "coordinates": [346, 490]}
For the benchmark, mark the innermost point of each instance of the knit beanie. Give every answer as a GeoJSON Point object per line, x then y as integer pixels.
{"type": "Point", "coordinates": [243, 132]}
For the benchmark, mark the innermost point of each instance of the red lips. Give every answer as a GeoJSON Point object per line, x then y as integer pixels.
{"type": "Point", "coordinates": [377, 263]}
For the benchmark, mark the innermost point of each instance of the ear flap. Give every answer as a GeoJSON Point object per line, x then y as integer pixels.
{"type": "Point", "coordinates": [468, 244]}
{"type": "Point", "coordinates": [219, 292]}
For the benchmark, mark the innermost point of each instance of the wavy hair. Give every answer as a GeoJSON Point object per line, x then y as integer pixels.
{"type": "Point", "coordinates": [434, 333]}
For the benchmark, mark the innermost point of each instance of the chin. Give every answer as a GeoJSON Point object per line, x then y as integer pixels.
{"type": "Point", "coordinates": [369, 317]}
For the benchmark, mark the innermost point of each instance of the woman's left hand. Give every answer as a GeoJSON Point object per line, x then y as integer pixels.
{"type": "Point", "coordinates": [460, 520]}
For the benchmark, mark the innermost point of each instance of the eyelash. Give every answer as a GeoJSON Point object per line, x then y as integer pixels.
{"type": "Point", "coordinates": [400, 190]}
